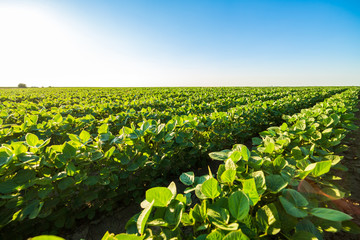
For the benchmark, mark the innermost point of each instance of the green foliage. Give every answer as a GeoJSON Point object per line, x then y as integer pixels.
{"type": "Point", "coordinates": [64, 157]}
{"type": "Point", "coordinates": [253, 201]}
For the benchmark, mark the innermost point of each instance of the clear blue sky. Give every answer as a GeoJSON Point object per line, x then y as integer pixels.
{"type": "Point", "coordinates": [180, 43]}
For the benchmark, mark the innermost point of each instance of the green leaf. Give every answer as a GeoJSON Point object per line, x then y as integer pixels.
{"type": "Point", "coordinates": [160, 195]}
{"type": "Point", "coordinates": [110, 152]}
{"type": "Point", "coordinates": [307, 226]}
{"type": "Point", "coordinates": [291, 209]}
{"type": "Point", "coordinates": [239, 205]}
{"type": "Point", "coordinates": [84, 136]}
{"type": "Point", "coordinates": [237, 235]}
{"type": "Point", "coordinates": [294, 196]}
{"type": "Point", "coordinates": [284, 127]}
{"type": "Point", "coordinates": [245, 153]}
{"type": "Point", "coordinates": [275, 183]}
{"type": "Point", "coordinates": [187, 219]}
{"type": "Point", "coordinates": [330, 214]}
{"type": "Point", "coordinates": [19, 148]}
{"type": "Point", "coordinates": [279, 163]}
{"type": "Point", "coordinates": [260, 181]}
{"type": "Point", "coordinates": [141, 221]}
{"type": "Point", "coordinates": [220, 218]}
{"type": "Point", "coordinates": [269, 145]}
{"type": "Point", "coordinates": [199, 194]}
{"type": "Point", "coordinates": [301, 124]}
{"type": "Point", "coordinates": [199, 212]}
{"type": "Point", "coordinates": [65, 183]}
{"type": "Point", "coordinates": [31, 139]}
{"type": "Point", "coordinates": [58, 118]}
{"type": "Point", "coordinates": [7, 187]}
{"type": "Point", "coordinates": [256, 141]}
{"type": "Point", "coordinates": [172, 188]}
{"type": "Point", "coordinates": [97, 155]}
{"type": "Point", "coordinates": [187, 178]}
{"type": "Point", "coordinates": [173, 214]}
{"type": "Point", "coordinates": [220, 156]}
{"type": "Point", "coordinates": [47, 237]}
{"type": "Point", "coordinates": [268, 219]}
{"type": "Point", "coordinates": [220, 171]}
{"type": "Point", "coordinates": [211, 188]}
{"type": "Point", "coordinates": [36, 211]}
{"type": "Point", "coordinates": [215, 235]}
{"type": "Point", "coordinates": [249, 188]}
{"type": "Point", "coordinates": [5, 156]}
{"type": "Point", "coordinates": [91, 180]}
{"type": "Point", "coordinates": [125, 236]}
{"type": "Point", "coordinates": [228, 176]}
{"type": "Point", "coordinates": [103, 128]}
{"type": "Point", "coordinates": [30, 208]}
{"type": "Point", "coordinates": [321, 168]}
{"type": "Point", "coordinates": [70, 169]}
{"type": "Point", "coordinates": [68, 150]}
{"type": "Point", "coordinates": [235, 156]}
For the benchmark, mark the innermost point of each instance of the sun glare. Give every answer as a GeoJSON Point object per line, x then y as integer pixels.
{"type": "Point", "coordinates": [35, 43]}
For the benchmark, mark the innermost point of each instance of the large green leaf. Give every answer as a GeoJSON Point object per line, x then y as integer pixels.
{"type": "Point", "coordinates": [31, 139]}
{"type": "Point", "coordinates": [291, 209]}
{"type": "Point", "coordinates": [249, 188]}
{"type": "Point", "coordinates": [228, 176]}
{"type": "Point", "coordinates": [275, 183]}
{"type": "Point", "coordinates": [84, 136]}
{"type": "Point", "coordinates": [321, 168]}
{"type": "Point", "coordinates": [330, 214]}
{"type": "Point", "coordinates": [211, 188]}
{"type": "Point", "coordinates": [235, 156]}
{"type": "Point", "coordinates": [239, 205]}
{"type": "Point", "coordinates": [160, 195]}
{"type": "Point", "coordinates": [294, 196]}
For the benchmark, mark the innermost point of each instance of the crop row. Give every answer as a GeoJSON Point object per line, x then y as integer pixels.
{"type": "Point", "coordinates": [284, 188]}
{"type": "Point", "coordinates": [99, 103]}
{"type": "Point", "coordinates": [18, 119]}
{"type": "Point", "coordinates": [48, 173]}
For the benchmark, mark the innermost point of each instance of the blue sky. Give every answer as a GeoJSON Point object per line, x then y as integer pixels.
{"type": "Point", "coordinates": [180, 43]}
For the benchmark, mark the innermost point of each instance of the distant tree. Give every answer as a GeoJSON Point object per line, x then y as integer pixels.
{"type": "Point", "coordinates": [22, 85]}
